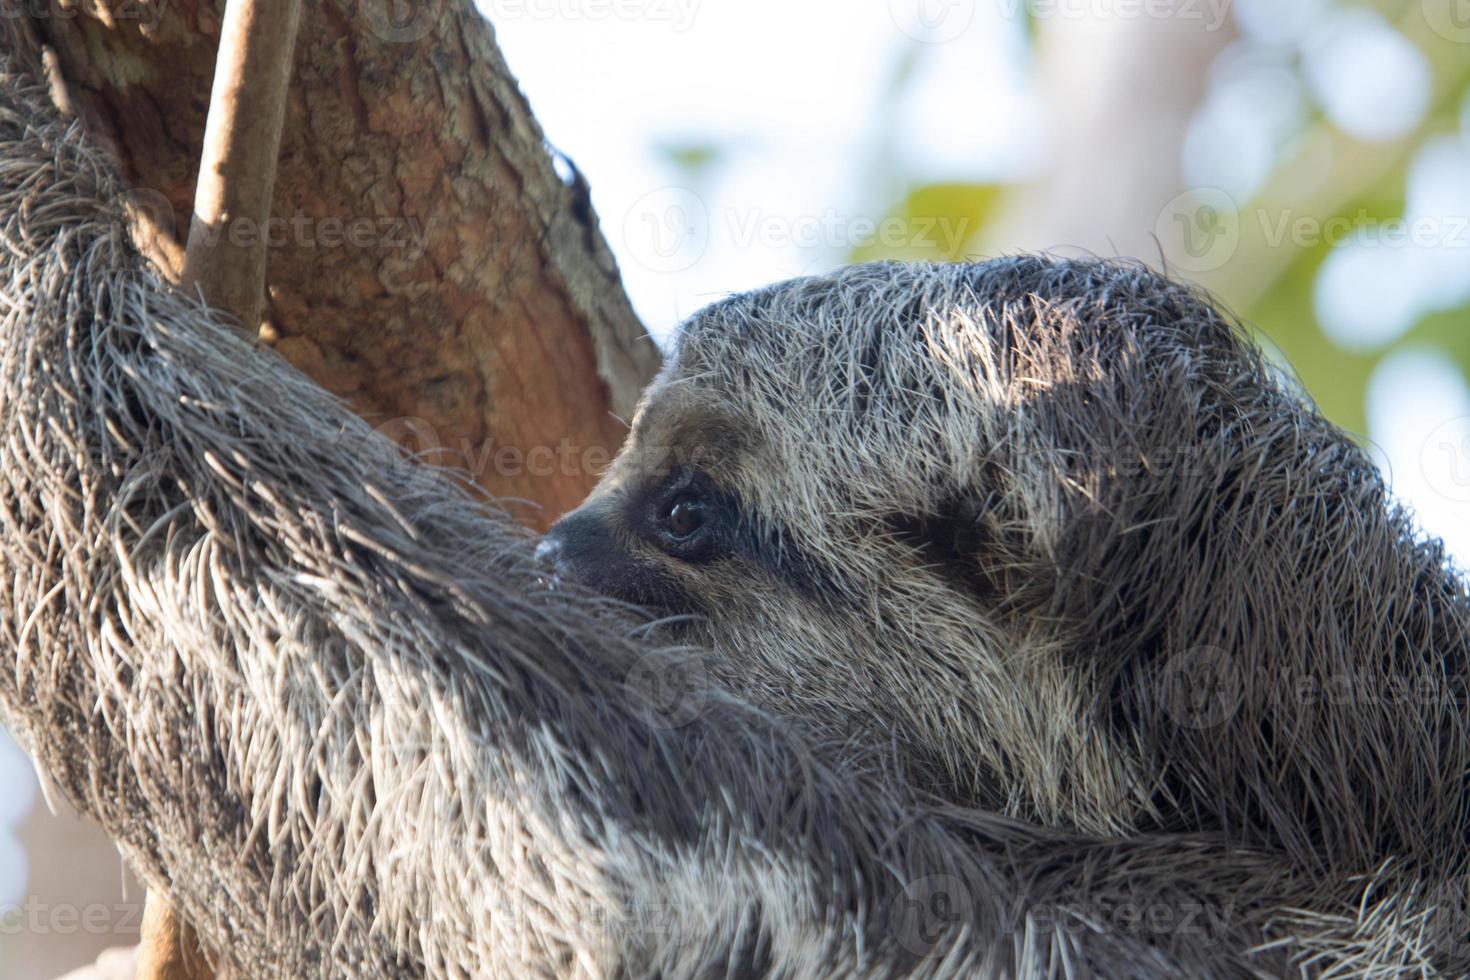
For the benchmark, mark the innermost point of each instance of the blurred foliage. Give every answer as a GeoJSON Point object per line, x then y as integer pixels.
{"type": "Point", "coordinates": [1338, 378]}
{"type": "Point", "coordinates": [1281, 307]}
{"type": "Point", "coordinates": [1284, 315]}
{"type": "Point", "coordinates": [694, 159]}
{"type": "Point", "coordinates": [939, 222]}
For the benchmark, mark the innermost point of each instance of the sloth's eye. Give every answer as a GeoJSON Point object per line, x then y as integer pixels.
{"type": "Point", "coordinates": [686, 515]}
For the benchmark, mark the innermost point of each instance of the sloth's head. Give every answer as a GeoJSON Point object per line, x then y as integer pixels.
{"type": "Point", "coordinates": [974, 509]}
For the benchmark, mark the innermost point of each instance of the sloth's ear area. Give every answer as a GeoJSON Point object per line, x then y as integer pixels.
{"type": "Point", "coordinates": [977, 549]}
{"type": "Point", "coordinates": [952, 540]}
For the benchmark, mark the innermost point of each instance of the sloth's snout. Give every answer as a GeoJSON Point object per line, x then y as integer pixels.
{"type": "Point", "coordinates": [591, 547]}
{"type": "Point", "coordinates": [548, 552]}
{"type": "Point", "coordinates": [577, 547]}
{"type": "Point", "coordinates": [551, 553]}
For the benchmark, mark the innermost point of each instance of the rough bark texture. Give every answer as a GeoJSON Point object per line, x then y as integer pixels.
{"type": "Point", "coordinates": [427, 263]}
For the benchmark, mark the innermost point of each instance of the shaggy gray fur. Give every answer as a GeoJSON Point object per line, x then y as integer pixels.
{"type": "Point", "coordinates": [329, 704]}
{"type": "Point", "coordinates": [1051, 485]}
{"type": "Point", "coordinates": [1058, 530]}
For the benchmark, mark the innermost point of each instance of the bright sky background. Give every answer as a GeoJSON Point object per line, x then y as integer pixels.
{"type": "Point", "coordinates": [796, 89]}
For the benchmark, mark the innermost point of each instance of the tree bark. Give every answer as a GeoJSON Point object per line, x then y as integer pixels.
{"type": "Point", "coordinates": [426, 261]}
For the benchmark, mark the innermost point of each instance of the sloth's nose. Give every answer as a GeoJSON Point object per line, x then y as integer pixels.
{"type": "Point", "coordinates": [549, 549]}
{"type": "Point", "coordinates": [583, 547]}
{"type": "Point", "coordinates": [549, 553]}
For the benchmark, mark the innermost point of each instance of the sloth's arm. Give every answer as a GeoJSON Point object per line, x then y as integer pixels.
{"type": "Point", "coordinates": [322, 698]}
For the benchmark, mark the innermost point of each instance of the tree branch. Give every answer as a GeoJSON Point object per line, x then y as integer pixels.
{"type": "Point", "coordinates": [237, 168]}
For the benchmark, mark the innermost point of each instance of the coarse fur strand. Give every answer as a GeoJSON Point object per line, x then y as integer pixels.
{"type": "Point", "coordinates": [330, 706]}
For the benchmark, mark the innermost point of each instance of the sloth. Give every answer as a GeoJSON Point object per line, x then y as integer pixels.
{"type": "Point", "coordinates": [1059, 534]}
{"type": "Point", "coordinates": [960, 545]}
{"type": "Point", "coordinates": [329, 708]}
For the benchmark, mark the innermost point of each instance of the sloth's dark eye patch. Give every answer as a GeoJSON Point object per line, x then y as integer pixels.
{"type": "Point", "coordinates": [689, 518]}
{"type": "Point", "coordinates": [692, 519]}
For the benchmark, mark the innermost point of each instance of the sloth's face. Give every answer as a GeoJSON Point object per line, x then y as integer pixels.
{"type": "Point", "coordinates": [961, 510]}
{"type": "Point", "coordinates": [667, 523]}
{"type": "Point", "coordinates": [854, 515]}
{"type": "Point", "coordinates": [816, 592]}
{"type": "Point", "coordinates": [984, 514]}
